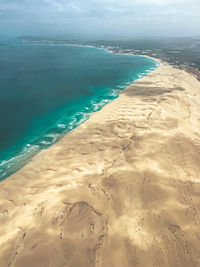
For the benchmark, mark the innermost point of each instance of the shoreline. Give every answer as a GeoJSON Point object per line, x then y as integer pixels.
{"type": "Point", "coordinates": [97, 47]}
{"type": "Point", "coordinates": [23, 154]}
{"type": "Point", "coordinates": [119, 190]}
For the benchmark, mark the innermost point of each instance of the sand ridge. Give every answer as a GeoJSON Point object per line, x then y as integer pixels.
{"type": "Point", "coordinates": [120, 190]}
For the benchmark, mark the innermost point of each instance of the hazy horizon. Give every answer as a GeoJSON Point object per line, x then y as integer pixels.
{"type": "Point", "coordinates": [109, 19]}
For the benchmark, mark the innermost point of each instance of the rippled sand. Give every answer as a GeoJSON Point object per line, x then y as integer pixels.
{"type": "Point", "coordinates": [123, 189]}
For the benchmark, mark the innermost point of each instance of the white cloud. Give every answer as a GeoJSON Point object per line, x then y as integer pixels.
{"type": "Point", "coordinates": [122, 15]}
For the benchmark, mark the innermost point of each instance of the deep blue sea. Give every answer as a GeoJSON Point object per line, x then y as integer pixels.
{"type": "Point", "coordinates": [47, 90]}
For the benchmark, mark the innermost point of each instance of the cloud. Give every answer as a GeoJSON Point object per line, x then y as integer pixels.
{"type": "Point", "coordinates": [101, 16]}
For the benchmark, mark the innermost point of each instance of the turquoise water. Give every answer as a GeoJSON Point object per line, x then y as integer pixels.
{"type": "Point", "coordinates": [48, 90]}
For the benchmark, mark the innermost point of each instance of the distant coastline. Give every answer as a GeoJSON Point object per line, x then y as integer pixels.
{"type": "Point", "coordinates": [108, 49]}
{"type": "Point", "coordinates": [180, 52]}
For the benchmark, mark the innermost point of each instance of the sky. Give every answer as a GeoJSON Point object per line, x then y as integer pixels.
{"type": "Point", "coordinates": [100, 18]}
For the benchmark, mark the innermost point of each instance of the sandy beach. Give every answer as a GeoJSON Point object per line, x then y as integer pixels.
{"type": "Point", "coordinates": [121, 190]}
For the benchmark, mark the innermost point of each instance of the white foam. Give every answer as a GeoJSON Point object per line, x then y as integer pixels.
{"type": "Point", "coordinates": [26, 151]}
{"type": "Point", "coordinates": [53, 137]}
{"type": "Point", "coordinates": [45, 143]}
{"type": "Point", "coordinates": [61, 125]}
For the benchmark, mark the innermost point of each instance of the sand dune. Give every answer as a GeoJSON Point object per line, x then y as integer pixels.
{"type": "Point", "coordinates": [123, 189]}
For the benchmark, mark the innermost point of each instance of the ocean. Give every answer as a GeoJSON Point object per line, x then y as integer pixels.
{"type": "Point", "coordinates": [47, 90]}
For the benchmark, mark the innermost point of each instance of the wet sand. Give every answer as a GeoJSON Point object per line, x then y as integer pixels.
{"type": "Point", "coordinates": [123, 189]}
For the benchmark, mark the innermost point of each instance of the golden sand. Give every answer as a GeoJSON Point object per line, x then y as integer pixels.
{"type": "Point", "coordinates": [121, 190]}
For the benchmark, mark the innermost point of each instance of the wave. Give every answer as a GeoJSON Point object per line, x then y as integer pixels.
{"type": "Point", "coordinates": [11, 165]}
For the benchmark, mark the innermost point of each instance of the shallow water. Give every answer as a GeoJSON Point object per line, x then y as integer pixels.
{"type": "Point", "coordinates": [48, 90]}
